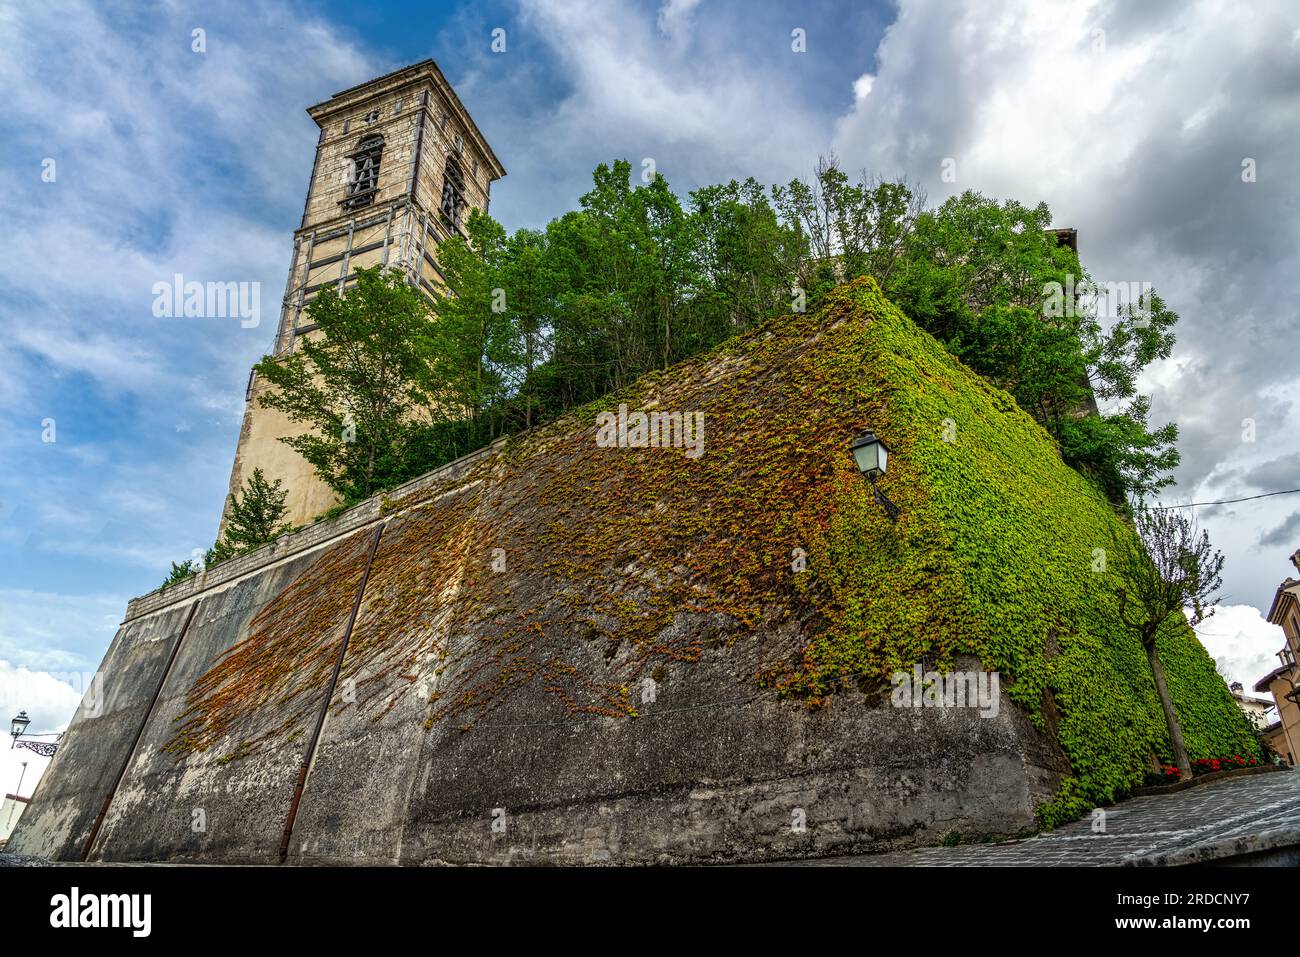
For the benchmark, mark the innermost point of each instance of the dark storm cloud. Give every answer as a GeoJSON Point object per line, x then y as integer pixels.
{"type": "Point", "coordinates": [1286, 535]}
{"type": "Point", "coordinates": [1132, 122]}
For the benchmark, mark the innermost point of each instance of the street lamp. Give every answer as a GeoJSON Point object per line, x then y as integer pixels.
{"type": "Point", "coordinates": [17, 726]}
{"type": "Point", "coordinates": [17, 730]}
{"type": "Point", "coordinates": [871, 455]}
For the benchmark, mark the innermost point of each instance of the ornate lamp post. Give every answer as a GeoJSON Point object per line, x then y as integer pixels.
{"type": "Point", "coordinates": [17, 731]}
{"type": "Point", "coordinates": [872, 458]}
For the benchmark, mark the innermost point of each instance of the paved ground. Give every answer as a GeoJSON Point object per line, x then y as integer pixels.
{"type": "Point", "coordinates": [1245, 815]}
{"type": "Point", "coordinates": [1257, 813]}
{"type": "Point", "coordinates": [17, 860]}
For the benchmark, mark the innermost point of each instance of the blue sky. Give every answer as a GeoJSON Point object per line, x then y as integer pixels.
{"type": "Point", "coordinates": [1130, 121]}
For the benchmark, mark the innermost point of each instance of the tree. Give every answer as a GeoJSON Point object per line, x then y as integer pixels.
{"type": "Point", "coordinates": [180, 571]}
{"type": "Point", "coordinates": [254, 517]}
{"type": "Point", "coordinates": [474, 346]}
{"type": "Point", "coordinates": [1167, 568]}
{"type": "Point", "coordinates": [850, 229]}
{"type": "Point", "coordinates": [1123, 453]}
{"type": "Point", "coordinates": [620, 273]}
{"type": "Point", "coordinates": [748, 260]}
{"type": "Point", "coordinates": [362, 382]}
{"type": "Point", "coordinates": [533, 283]}
{"type": "Point", "coordinates": [534, 323]}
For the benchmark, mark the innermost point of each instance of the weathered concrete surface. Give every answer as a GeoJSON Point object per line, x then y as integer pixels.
{"type": "Point", "coordinates": [568, 652]}
{"type": "Point", "coordinates": [214, 804]}
{"type": "Point", "coordinates": [72, 791]}
{"type": "Point", "coordinates": [191, 804]}
{"type": "Point", "coordinates": [1233, 822]}
{"type": "Point", "coordinates": [355, 806]}
{"type": "Point", "coordinates": [1238, 821]}
{"type": "Point", "coordinates": [709, 773]}
{"type": "Point", "coordinates": [712, 769]}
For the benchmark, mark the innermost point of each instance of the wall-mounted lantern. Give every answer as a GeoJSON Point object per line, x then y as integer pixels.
{"type": "Point", "coordinates": [871, 455]}
{"type": "Point", "coordinates": [18, 731]}
{"type": "Point", "coordinates": [18, 725]}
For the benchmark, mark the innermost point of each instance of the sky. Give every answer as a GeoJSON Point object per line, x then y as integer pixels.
{"type": "Point", "coordinates": [130, 156]}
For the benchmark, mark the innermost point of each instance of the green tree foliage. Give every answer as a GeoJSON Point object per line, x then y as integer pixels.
{"type": "Point", "coordinates": [627, 268]}
{"type": "Point", "coordinates": [363, 383]}
{"type": "Point", "coordinates": [749, 260]}
{"type": "Point", "coordinates": [254, 517]}
{"type": "Point", "coordinates": [539, 321]}
{"type": "Point", "coordinates": [990, 281]}
{"type": "Point", "coordinates": [180, 571]}
{"type": "Point", "coordinates": [848, 229]}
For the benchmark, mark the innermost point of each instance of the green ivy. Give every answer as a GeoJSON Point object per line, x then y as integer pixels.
{"type": "Point", "coordinates": [995, 555]}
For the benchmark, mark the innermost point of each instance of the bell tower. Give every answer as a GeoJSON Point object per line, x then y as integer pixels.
{"type": "Point", "coordinates": [399, 163]}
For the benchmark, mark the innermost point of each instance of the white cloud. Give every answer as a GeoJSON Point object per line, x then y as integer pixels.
{"type": "Point", "coordinates": [57, 632]}
{"type": "Point", "coordinates": [1131, 123]}
{"type": "Point", "coordinates": [136, 198]}
{"type": "Point", "coordinates": [1243, 642]}
{"type": "Point", "coordinates": [675, 15]}
{"type": "Point", "coordinates": [49, 701]}
{"type": "Point", "coordinates": [682, 85]}
{"type": "Point", "coordinates": [167, 161]}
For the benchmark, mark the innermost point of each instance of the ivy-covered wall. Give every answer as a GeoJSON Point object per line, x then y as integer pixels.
{"type": "Point", "coordinates": [997, 554]}
{"type": "Point", "coordinates": [548, 581]}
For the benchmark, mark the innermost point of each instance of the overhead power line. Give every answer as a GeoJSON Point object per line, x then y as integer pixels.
{"type": "Point", "coordinates": [1229, 501]}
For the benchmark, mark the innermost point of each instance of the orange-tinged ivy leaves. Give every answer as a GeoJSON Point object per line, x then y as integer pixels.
{"type": "Point", "coordinates": [656, 557]}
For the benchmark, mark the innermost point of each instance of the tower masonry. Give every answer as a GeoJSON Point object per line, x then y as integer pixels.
{"type": "Point", "coordinates": [399, 164]}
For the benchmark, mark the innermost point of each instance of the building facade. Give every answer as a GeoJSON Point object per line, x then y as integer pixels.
{"type": "Point", "coordinates": [11, 809]}
{"type": "Point", "coordinates": [1283, 682]}
{"type": "Point", "coordinates": [1258, 710]}
{"type": "Point", "coordinates": [399, 164]}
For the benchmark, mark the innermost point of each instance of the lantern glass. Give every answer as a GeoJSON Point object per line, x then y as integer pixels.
{"type": "Point", "coordinates": [870, 455]}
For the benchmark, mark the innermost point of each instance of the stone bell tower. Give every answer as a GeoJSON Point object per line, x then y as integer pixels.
{"type": "Point", "coordinates": [399, 163]}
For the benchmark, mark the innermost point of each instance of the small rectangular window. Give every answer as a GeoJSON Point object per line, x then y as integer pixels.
{"type": "Point", "coordinates": [453, 193]}
{"type": "Point", "coordinates": [363, 174]}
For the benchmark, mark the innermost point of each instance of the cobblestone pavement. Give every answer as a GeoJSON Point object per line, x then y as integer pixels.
{"type": "Point", "coordinates": [18, 860]}
{"type": "Point", "coordinates": [1231, 817]}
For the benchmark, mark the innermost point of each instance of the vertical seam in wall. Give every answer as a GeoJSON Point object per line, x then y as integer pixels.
{"type": "Point", "coordinates": [310, 754]}
{"type": "Point", "coordinates": [126, 763]}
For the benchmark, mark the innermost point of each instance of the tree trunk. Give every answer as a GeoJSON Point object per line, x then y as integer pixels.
{"type": "Point", "coordinates": [1171, 719]}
